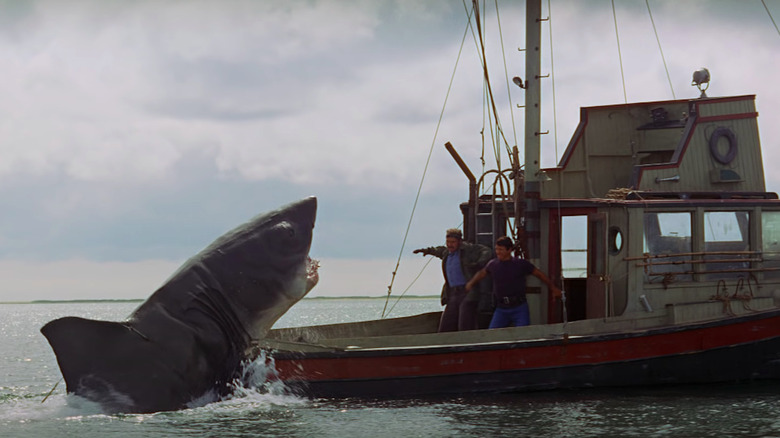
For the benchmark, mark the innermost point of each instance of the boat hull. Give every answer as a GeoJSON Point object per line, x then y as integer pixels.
{"type": "Point", "coordinates": [736, 349]}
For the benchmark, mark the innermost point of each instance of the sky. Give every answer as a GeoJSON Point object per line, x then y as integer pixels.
{"type": "Point", "coordinates": [132, 134]}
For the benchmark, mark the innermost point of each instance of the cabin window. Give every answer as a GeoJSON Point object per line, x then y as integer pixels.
{"type": "Point", "coordinates": [770, 232]}
{"type": "Point", "coordinates": [727, 239]}
{"type": "Point", "coordinates": [667, 241]}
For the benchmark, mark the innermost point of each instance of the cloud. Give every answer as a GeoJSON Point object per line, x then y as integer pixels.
{"type": "Point", "coordinates": [120, 92]}
{"type": "Point", "coordinates": [143, 130]}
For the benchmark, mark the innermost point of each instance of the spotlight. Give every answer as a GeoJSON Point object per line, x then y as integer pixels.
{"type": "Point", "coordinates": [701, 79]}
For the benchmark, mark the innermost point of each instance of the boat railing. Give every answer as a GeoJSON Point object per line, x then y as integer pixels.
{"type": "Point", "coordinates": [698, 261]}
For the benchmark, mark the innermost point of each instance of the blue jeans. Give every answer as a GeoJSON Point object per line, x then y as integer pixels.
{"type": "Point", "coordinates": [511, 317]}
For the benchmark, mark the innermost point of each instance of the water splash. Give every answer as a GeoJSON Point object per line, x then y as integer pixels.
{"type": "Point", "coordinates": [257, 387]}
{"type": "Point", "coordinates": [58, 406]}
{"type": "Point", "coordinates": [258, 384]}
{"type": "Point", "coordinates": [257, 390]}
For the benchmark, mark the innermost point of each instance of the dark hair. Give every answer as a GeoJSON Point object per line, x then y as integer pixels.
{"type": "Point", "coordinates": [505, 241]}
{"type": "Point", "coordinates": [456, 233]}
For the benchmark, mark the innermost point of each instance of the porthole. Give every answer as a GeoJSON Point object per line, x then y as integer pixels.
{"type": "Point", "coordinates": [615, 240]}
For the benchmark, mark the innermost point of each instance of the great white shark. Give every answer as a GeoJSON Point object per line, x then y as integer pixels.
{"type": "Point", "coordinates": [189, 338]}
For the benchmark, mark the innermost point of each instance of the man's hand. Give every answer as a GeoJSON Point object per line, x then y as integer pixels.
{"type": "Point", "coordinates": [423, 251]}
{"type": "Point", "coordinates": [482, 273]}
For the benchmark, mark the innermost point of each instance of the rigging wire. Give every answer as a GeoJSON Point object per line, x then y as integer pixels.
{"type": "Point", "coordinates": [770, 16]}
{"type": "Point", "coordinates": [620, 56]}
{"type": "Point", "coordinates": [397, 300]}
{"type": "Point", "coordinates": [491, 105]}
{"type": "Point", "coordinates": [506, 76]}
{"type": "Point", "coordinates": [425, 169]}
{"type": "Point", "coordinates": [486, 119]}
{"type": "Point", "coordinates": [552, 77]}
{"type": "Point", "coordinates": [497, 133]}
{"type": "Point", "coordinates": [485, 114]}
{"type": "Point", "coordinates": [488, 91]}
{"type": "Point", "coordinates": [492, 101]}
{"type": "Point", "coordinates": [658, 40]}
{"type": "Point", "coordinates": [559, 228]}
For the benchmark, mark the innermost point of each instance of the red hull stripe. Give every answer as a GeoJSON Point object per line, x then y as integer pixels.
{"type": "Point", "coordinates": [525, 356]}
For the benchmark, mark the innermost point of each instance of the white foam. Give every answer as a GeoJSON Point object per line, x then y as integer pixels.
{"type": "Point", "coordinates": [57, 406]}
{"type": "Point", "coordinates": [257, 387]}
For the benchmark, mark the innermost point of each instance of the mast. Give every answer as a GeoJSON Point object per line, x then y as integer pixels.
{"type": "Point", "coordinates": [533, 95]}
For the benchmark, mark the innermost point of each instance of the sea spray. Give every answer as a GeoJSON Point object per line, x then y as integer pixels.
{"type": "Point", "coordinates": [59, 406]}
{"type": "Point", "coordinates": [258, 384]}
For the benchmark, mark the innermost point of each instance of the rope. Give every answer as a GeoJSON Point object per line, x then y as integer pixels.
{"type": "Point", "coordinates": [425, 170]}
{"type": "Point", "coordinates": [52, 390]}
{"type": "Point", "coordinates": [726, 299]}
{"type": "Point", "coordinates": [491, 99]}
{"type": "Point", "coordinates": [620, 56]}
{"type": "Point", "coordinates": [658, 40]}
{"type": "Point", "coordinates": [770, 16]}
{"type": "Point", "coordinates": [484, 93]}
{"type": "Point", "coordinates": [743, 297]}
{"type": "Point", "coordinates": [723, 298]}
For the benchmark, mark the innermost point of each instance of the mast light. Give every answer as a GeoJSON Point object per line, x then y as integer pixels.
{"type": "Point", "coordinates": [701, 79]}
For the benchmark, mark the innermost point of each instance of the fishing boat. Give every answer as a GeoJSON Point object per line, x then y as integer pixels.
{"type": "Point", "coordinates": [675, 279]}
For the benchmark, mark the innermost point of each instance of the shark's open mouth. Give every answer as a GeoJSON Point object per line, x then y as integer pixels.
{"type": "Point", "coordinates": [312, 276]}
{"type": "Point", "coordinates": [206, 310]}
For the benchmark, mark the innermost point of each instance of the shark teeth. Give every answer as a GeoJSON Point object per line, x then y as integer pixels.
{"type": "Point", "coordinates": [312, 274]}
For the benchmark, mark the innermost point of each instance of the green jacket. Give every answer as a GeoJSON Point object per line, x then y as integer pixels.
{"type": "Point", "coordinates": [473, 257]}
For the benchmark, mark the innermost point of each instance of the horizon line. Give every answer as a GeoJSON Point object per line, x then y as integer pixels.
{"type": "Point", "coordinates": [140, 300]}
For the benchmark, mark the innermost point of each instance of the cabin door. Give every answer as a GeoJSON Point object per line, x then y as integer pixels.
{"type": "Point", "coordinates": [597, 262]}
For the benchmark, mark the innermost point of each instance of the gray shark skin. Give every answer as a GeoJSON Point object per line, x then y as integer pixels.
{"type": "Point", "coordinates": [190, 337]}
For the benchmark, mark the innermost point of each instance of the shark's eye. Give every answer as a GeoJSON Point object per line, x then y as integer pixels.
{"type": "Point", "coordinates": [284, 230]}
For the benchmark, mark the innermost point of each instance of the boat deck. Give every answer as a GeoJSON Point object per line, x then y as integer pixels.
{"type": "Point", "coordinates": [420, 330]}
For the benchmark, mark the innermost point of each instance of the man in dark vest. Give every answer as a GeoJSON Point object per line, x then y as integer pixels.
{"type": "Point", "coordinates": [459, 261]}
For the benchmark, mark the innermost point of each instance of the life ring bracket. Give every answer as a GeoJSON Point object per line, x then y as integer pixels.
{"type": "Point", "coordinates": [731, 153]}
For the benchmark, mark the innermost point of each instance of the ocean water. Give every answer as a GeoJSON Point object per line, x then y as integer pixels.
{"type": "Point", "coordinates": [28, 372]}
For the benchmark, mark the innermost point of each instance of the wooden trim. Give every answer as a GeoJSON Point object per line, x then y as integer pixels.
{"type": "Point", "coordinates": [575, 139]}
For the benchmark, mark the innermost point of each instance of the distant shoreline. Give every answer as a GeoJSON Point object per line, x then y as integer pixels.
{"type": "Point", "coordinates": [140, 300]}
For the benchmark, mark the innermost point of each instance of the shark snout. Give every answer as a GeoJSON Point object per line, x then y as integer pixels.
{"type": "Point", "coordinates": [303, 212]}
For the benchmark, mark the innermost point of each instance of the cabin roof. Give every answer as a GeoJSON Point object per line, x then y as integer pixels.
{"type": "Point", "coordinates": [681, 146]}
